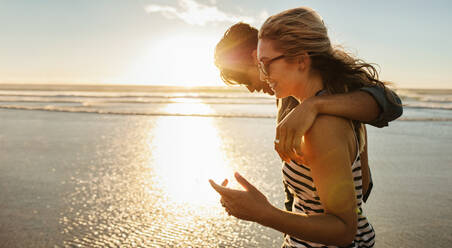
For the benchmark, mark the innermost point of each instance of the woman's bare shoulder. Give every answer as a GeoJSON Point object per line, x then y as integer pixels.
{"type": "Point", "coordinates": [328, 133]}
{"type": "Point", "coordinates": [329, 125]}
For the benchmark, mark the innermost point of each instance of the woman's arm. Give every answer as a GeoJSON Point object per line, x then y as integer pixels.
{"type": "Point", "coordinates": [329, 146]}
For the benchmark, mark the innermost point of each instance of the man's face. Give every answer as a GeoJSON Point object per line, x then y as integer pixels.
{"type": "Point", "coordinates": [254, 81]}
{"type": "Point", "coordinates": [246, 74]}
{"type": "Point", "coordinates": [256, 85]}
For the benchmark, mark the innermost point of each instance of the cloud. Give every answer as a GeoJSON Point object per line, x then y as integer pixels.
{"type": "Point", "coordinates": [195, 13]}
{"type": "Point", "coordinates": [263, 15]}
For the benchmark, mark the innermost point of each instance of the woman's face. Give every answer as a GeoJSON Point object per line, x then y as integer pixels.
{"type": "Point", "coordinates": [282, 76]}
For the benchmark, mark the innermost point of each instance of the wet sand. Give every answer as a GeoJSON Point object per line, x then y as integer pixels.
{"type": "Point", "coordinates": [74, 179]}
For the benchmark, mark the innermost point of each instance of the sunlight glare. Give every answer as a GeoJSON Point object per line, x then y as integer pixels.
{"type": "Point", "coordinates": [186, 155]}
{"type": "Point", "coordinates": [191, 106]}
{"type": "Point", "coordinates": [178, 60]}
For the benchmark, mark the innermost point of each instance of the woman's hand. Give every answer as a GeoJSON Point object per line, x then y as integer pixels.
{"type": "Point", "coordinates": [249, 204]}
{"type": "Point", "coordinates": [290, 131]}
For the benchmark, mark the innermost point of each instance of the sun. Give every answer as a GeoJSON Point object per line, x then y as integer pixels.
{"type": "Point", "coordinates": [178, 60]}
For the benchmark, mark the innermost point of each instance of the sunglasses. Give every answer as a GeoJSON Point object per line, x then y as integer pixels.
{"type": "Point", "coordinates": [264, 67]}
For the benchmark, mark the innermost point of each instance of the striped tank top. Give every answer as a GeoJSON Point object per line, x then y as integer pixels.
{"type": "Point", "coordinates": [297, 178]}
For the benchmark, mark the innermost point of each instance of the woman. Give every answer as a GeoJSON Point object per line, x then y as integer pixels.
{"type": "Point", "coordinates": [296, 59]}
{"type": "Point", "coordinates": [235, 57]}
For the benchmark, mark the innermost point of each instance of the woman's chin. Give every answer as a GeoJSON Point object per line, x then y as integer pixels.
{"type": "Point", "coordinates": [268, 91]}
{"type": "Point", "coordinates": [279, 94]}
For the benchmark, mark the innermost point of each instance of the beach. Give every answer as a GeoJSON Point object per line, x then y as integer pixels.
{"type": "Point", "coordinates": [122, 178]}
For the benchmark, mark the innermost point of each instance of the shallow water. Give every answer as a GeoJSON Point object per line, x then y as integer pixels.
{"type": "Point", "coordinates": [90, 180]}
{"type": "Point", "coordinates": [73, 179]}
{"type": "Point", "coordinates": [419, 105]}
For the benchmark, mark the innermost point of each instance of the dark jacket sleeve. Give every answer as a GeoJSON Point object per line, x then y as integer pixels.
{"type": "Point", "coordinates": [391, 109]}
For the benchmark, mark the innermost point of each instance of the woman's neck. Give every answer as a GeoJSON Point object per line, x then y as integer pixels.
{"type": "Point", "coordinates": [313, 84]}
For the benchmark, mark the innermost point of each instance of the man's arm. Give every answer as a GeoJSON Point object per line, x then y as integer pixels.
{"type": "Point", "coordinates": [377, 107]}
{"type": "Point", "coordinates": [357, 105]}
{"type": "Point", "coordinates": [389, 103]}
{"type": "Point", "coordinates": [369, 105]}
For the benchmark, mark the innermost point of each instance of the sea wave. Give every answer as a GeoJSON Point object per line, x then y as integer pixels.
{"type": "Point", "coordinates": [213, 101]}
{"type": "Point", "coordinates": [137, 100]}
{"type": "Point", "coordinates": [225, 104]}
{"type": "Point", "coordinates": [427, 106]}
{"type": "Point", "coordinates": [53, 108]}
{"type": "Point", "coordinates": [431, 99]}
{"type": "Point", "coordinates": [201, 95]}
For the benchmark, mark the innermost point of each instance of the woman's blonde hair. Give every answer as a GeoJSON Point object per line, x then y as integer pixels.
{"type": "Point", "coordinates": [301, 30]}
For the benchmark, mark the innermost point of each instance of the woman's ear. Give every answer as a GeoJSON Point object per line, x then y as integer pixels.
{"type": "Point", "coordinates": [254, 55]}
{"type": "Point", "coordinates": [304, 61]}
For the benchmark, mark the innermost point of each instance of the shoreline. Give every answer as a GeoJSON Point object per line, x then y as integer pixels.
{"type": "Point", "coordinates": [117, 88]}
{"type": "Point", "coordinates": [118, 113]}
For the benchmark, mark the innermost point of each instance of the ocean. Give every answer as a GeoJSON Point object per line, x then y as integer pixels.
{"type": "Point", "coordinates": [419, 105]}
{"type": "Point", "coordinates": [123, 166]}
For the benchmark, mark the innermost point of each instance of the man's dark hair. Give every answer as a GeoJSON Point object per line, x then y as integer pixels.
{"type": "Point", "coordinates": [234, 52]}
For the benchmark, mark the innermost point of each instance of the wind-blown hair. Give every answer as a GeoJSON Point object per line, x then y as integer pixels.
{"type": "Point", "coordinates": [301, 30]}
{"type": "Point", "coordinates": [233, 53]}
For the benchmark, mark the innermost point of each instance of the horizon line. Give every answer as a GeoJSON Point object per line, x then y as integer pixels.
{"type": "Point", "coordinates": [35, 86]}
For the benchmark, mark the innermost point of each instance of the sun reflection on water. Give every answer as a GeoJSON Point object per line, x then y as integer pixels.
{"type": "Point", "coordinates": [186, 152]}
{"type": "Point", "coordinates": [143, 182]}
{"type": "Point", "coordinates": [188, 106]}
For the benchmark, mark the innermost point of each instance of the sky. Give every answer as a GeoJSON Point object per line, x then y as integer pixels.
{"type": "Point", "coordinates": [156, 42]}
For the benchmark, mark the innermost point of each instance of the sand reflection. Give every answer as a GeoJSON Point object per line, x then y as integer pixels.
{"type": "Point", "coordinates": [146, 185]}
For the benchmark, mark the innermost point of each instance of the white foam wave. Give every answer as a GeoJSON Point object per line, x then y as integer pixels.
{"type": "Point", "coordinates": [440, 119]}
{"type": "Point", "coordinates": [433, 99]}
{"type": "Point", "coordinates": [201, 95]}
{"type": "Point", "coordinates": [134, 101]}
{"type": "Point", "coordinates": [428, 106]}
{"type": "Point", "coordinates": [53, 108]}
{"type": "Point", "coordinates": [128, 112]}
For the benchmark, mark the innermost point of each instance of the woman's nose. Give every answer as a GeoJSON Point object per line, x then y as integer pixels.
{"type": "Point", "coordinates": [262, 76]}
